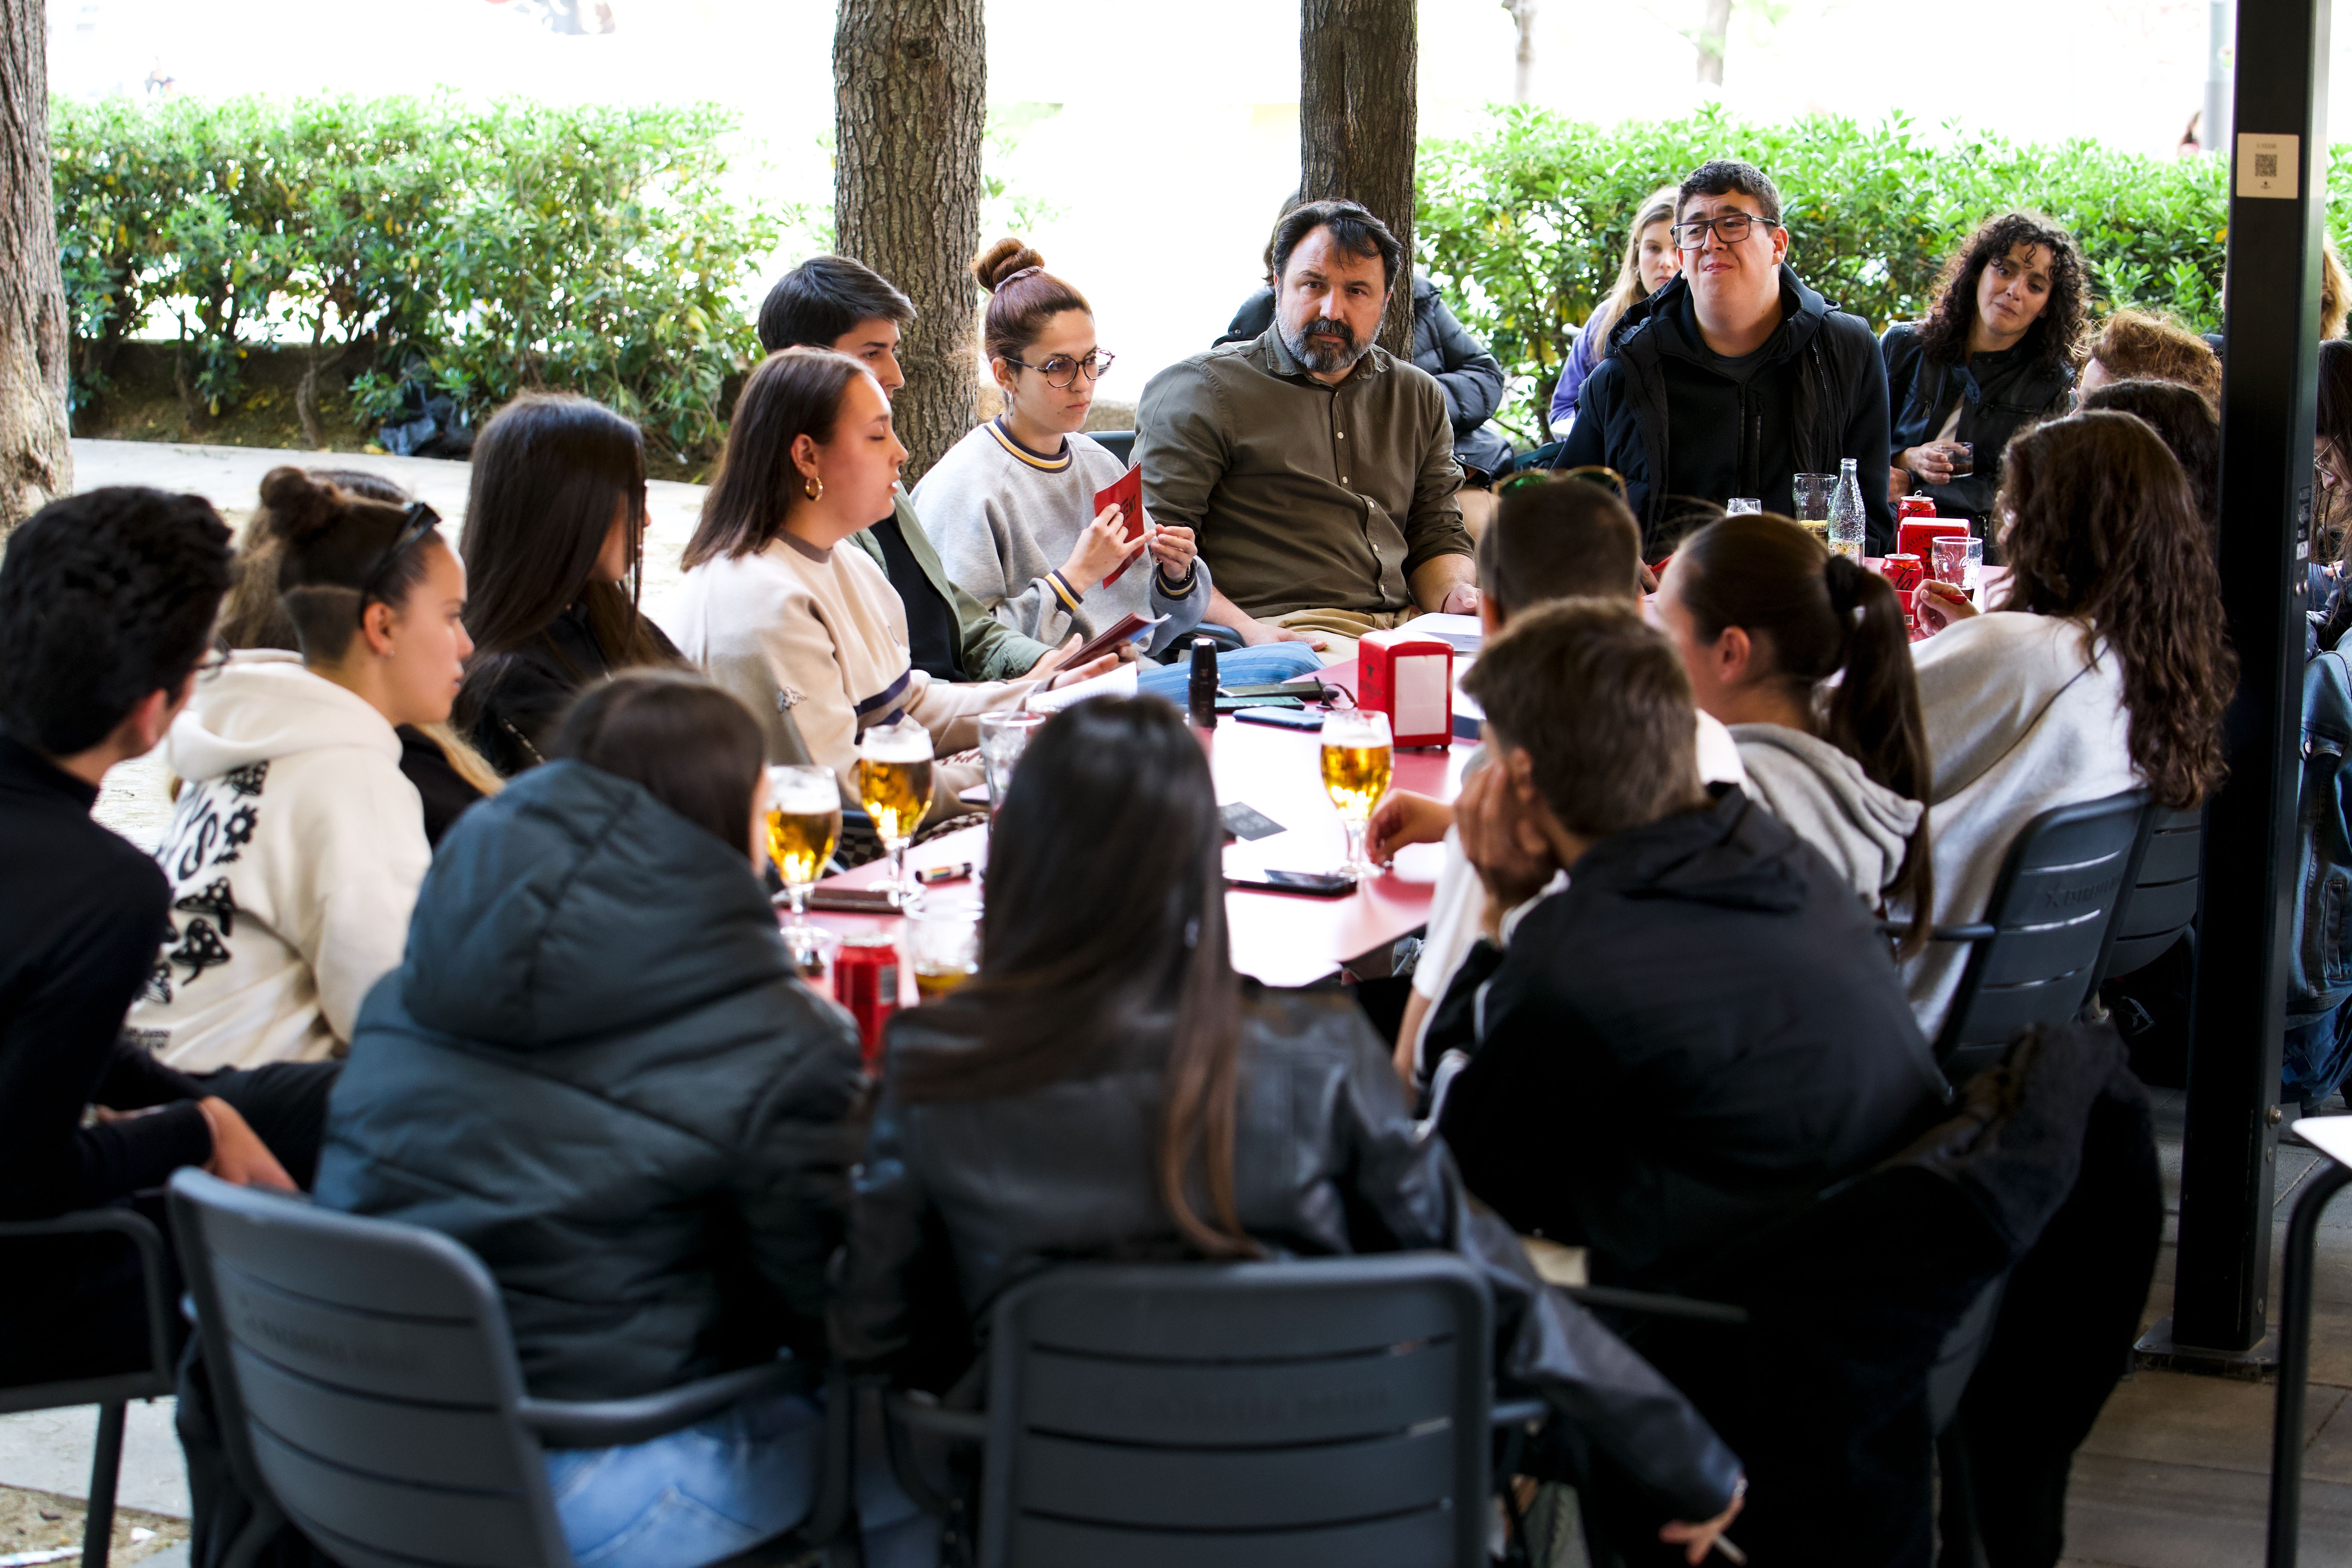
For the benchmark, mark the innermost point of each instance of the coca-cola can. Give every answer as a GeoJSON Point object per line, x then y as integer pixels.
{"type": "Point", "coordinates": [866, 982]}
{"type": "Point", "coordinates": [1905, 572]}
{"type": "Point", "coordinates": [1915, 506]}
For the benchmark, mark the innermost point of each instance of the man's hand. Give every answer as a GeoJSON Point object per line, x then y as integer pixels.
{"type": "Point", "coordinates": [1932, 462]}
{"type": "Point", "coordinates": [1462, 599]}
{"type": "Point", "coordinates": [1256, 633]}
{"type": "Point", "coordinates": [1697, 1540]}
{"type": "Point", "coordinates": [1086, 671]}
{"type": "Point", "coordinates": [1501, 840]}
{"type": "Point", "coordinates": [1403, 817]}
{"type": "Point", "coordinates": [239, 1156]}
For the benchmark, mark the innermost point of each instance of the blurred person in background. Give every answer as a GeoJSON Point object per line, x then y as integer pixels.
{"type": "Point", "coordinates": [2135, 344]}
{"type": "Point", "coordinates": [1651, 258]}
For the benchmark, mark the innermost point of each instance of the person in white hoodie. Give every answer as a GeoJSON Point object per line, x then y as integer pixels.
{"type": "Point", "coordinates": [811, 637]}
{"type": "Point", "coordinates": [2106, 666]}
{"type": "Point", "coordinates": [1805, 656]}
{"type": "Point", "coordinates": [297, 846]}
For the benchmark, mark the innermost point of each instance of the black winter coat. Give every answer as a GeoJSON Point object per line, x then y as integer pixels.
{"type": "Point", "coordinates": [1997, 393]}
{"type": "Point", "coordinates": [596, 1069]}
{"type": "Point", "coordinates": [1472, 378]}
{"type": "Point", "coordinates": [1703, 1029]}
{"type": "Point", "coordinates": [512, 703]}
{"type": "Point", "coordinates": [957, 1201]}
{"type": "Point", "coordinates": [1662, 410]}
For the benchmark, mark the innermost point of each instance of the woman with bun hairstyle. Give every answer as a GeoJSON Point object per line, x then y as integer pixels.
{"type": "Point", "coordinates": [1011, 507]}
{"type": "Point", "coordinates": [297, 846]}
{"type": "Point", "coordinates": [1805, 657]}
{"type": "Point", "coordinates": [2105, 667]}
{"type": "Point", "coordinates": [554, 544]}
{"type": "Point", "coordinates": [450, 775]}
{"type": "Point", "coordinates": [811, 637]}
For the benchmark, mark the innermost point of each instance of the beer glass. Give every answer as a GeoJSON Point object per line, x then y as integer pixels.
{"type": "Point", "coordinates": [943, 947]}
{"type": "Point", "coordinates": [1357, 760]}
{"type": "Point", "coordinates": [804, 826]}
{"type": "Point", "coordinates": [1740, 505]}
{"type": "Point", "coordinates": [1812, 493]}
{"type": "Point", "coordinates": [894, 785]}
{"type": "Point", "coordinates": [1003, 738]}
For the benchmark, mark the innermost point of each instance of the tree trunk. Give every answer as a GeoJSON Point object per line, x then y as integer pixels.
{"type": "Point", "coordinates": [910, 82]}
{"type": "Point", "coordinates": [1523, 74]}
{"type": "Point", "coordinates": [1714, 33]}
{"type": "Point", "coordinates": [35, 461]}
{"type": "Point", "coordinates": [1358, 112]}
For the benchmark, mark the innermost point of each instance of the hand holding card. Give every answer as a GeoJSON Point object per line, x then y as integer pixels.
{"type": "Point", "coordinates": [1127, 494]}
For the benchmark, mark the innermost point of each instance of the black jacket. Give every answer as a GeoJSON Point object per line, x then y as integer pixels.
{"type": "Point", "coordinates": [595, 1069]}
{"type": "Point", "coordinates": [512, 703]}
{"type": "Point", "coordinates": [958, 1201]}
{"type": "Point", "coordinates": [1998, 392]}
{"type": "Point", "coordinates": [1473, 378]}
{"type": "Point", "coordinates": [1703, 1030]}
{"type": "Point", "coordinates": [1676, 418]}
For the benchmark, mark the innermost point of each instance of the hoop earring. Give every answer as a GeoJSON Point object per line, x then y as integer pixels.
{"type": "Point", "coordinates": [815, 489]}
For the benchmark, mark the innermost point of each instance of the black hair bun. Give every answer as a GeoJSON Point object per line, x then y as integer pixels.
{"type": "Point", "coordinates": [995, 267]}
{"type": "Point", "coordinates": [300, 509]}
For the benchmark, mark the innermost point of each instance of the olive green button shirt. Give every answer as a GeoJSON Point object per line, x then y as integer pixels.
{"type": "Point", "coordinates": [1302, 496]}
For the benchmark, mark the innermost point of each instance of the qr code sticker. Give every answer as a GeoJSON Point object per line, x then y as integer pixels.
{"type": "Point", "coordinates": [2266, 165]}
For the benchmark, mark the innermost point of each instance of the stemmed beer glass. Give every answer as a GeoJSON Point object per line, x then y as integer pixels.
{"type": "Point", "coordinates": [894, 785]}
{"type": "Point", "coordinates": [1357, 760]}
{"type": "Point", "coordinates": [804, 826]}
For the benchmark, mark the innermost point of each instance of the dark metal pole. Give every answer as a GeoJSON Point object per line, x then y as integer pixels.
{"type": "Point", "coordinates": [2278, 158]}
{"type": "Point", "coordinates": [2294, 1362]}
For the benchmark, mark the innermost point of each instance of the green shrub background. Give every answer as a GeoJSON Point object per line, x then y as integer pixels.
{"type": "Point", "coordinates": [1523, 225]}
{"type": "Point", "coordinates": [517, 244]}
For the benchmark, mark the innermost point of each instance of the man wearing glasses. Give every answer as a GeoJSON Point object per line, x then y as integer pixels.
{"type": "Point", "coordinates": [1317, 472]}
{"type": "Point", "coordinates": [1736, 376]}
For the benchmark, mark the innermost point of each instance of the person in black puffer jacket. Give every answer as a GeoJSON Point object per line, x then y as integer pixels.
{"type": "Point", "coordinates": [1019, 1116]}
{"type": "Point", "coordinates": [1736, 376]}
{"type": "Point", "coordinates": [596, 1068]}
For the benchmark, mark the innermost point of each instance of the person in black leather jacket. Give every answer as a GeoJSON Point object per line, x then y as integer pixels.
{"type": "Point", "coordinates": [1018, 1117]}
{"type": "Point", "coordinates": [596, 1068]}
{"type": "Point", "coordinates": [1994, 353]}
{"type": "Point", "coordinates": [554, 548]}
{"type": "Point", "coordinates": [1472, 377]}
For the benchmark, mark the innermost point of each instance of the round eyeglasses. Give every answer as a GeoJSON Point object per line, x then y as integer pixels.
{"type": "Point", "coordinates": [1062, 371]}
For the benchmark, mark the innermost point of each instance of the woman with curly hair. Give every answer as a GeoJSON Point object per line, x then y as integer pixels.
{"type": "Point", "coordinates": [2105, 668]}
{"type": "Point", "coordinates": [1994, 353]}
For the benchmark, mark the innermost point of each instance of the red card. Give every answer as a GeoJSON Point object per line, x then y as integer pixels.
{"type": "Point", "coordinates": [1127, 494]}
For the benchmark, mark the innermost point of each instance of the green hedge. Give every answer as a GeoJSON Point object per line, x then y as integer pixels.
{"type": "Point", "coordinates": [1523, 225]}
{"type": "Point", "coordinates": [516, 246]}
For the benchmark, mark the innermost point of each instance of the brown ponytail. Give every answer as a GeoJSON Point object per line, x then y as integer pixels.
{"type": "Point", "coordinates": [1023, 297]}
{"type": "Point", "coordinates": [1813, 615]}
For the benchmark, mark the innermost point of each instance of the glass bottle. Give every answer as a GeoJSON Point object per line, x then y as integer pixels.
{"type": "Point", "coordinates": [1847, 519]}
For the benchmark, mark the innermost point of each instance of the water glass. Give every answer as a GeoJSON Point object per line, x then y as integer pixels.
{"type": "Point", "coordinates": [1950, 558]}
{"type": "Point", "coordinates": [803, 824]}
{"type": "Point", "coordinates": [943, 947]}
{"type": "Point", "coordinates": [894, 785]}
{"type": "Point", "coordinates": [1358, 758]}
{"type": "Point", "coordinates": [1812, 496]}
{"type": "Point", "coordinates": [1739, 506]}
{"type": "Point", "coordinates": [1003, 738]}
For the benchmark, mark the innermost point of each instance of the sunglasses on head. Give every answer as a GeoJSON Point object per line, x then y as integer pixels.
{"type": "Point", "coordinates": [1599, 474]}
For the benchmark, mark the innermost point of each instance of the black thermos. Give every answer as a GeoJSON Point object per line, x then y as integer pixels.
{"type": "Point", "coordinates": [1203, 693]}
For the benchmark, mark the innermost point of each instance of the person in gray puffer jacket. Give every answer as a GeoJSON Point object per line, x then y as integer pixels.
{"type": "Point", "coordinates": [1806, 656]}
{"type": "Point", "coordinates": [596, 1068]}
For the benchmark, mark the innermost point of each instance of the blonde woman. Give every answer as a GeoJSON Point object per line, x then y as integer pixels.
{"type": "Point", "coordinates": [1650, 259]}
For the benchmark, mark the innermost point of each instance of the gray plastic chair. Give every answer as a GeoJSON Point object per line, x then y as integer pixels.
{"type": "Point", "coordinates": [366, 1385]}
{"type": "Point", "coordinates": [1332, 1411]}
{"type": "Point", "coordinates": [114, 1392]}
{"type": "Point", "coordinates": [2161, 906]}
{"type": "Point", "coordinates": [2042, 943]}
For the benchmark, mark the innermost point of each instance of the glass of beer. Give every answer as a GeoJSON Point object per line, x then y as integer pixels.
{"type": "Point", "coordinates": [1357, 759]}
{"type": "Point", "coordinates": [894, 785]}
{"type": "Point", "coordinates": [943, 947]}
{"type": "Point", "coordinates": [1811, 493]}
{"type": "Point", "coordinates": [804, 825]}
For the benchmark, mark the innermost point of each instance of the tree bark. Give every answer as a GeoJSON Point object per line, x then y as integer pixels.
{"type": "Point", "coordinates": [1714, 36]}
{"type": "Point", "coordinates": [1523, 74]}
{"type": "Point", "coordinates": [36, 459]}
{"type": "Point", "coordinates": [911, 81]}
{"type": "Point", "coordinates": [1358, 107]}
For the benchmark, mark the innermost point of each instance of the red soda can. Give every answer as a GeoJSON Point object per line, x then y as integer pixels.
{"type": "Point", "coordinates": [1915, 506]}
{"type": "Point", "coordinates": [866, 982]}
{"type": "Point", "coordinates": [1905, 572]}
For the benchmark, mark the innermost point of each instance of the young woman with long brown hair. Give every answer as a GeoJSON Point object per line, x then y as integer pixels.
{"type": "Point", "coordinates": [2105, 667]}
{"type": "Point", "coordinates": [1650, 259]}
{"type": "Point", "coordinates": [1108, 1085]}
{"type": "Point", "coordinates": [1805, 656]}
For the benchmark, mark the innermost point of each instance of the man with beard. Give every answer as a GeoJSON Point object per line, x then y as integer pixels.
{"type": "Point", "coordinates": [1316, 471]}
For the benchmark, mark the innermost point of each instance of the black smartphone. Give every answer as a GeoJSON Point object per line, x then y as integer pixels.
{"type": "Point", "coordinates": [1312, 884]}
{"type": "Point", "coordinates": [1281, 718]}
{"type": "Point", "coordinates": [1235, 704]}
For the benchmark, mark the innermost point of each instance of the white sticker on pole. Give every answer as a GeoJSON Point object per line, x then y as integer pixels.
{"type": "Point", "coordinates": [2269, 165]}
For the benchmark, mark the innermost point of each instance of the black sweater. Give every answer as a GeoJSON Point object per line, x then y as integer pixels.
{"type": "Point", "coordinates": [80, 912]}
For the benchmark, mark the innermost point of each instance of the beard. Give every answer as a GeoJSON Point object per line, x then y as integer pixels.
{"type": "Point", "coordinates": [1324, 345]}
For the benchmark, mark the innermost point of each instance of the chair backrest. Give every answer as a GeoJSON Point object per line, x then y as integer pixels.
{"type": "Point", "coordinates": [365, 1373]}
{"type": "Point", "coordinates": [2052, 912]}
{"type": "Point", "coordinates": [1333, 1411]}
{"type": "Point", "coordinates": [1120, 444]}
{"type": "Point", "coordinates": [2162, 902]}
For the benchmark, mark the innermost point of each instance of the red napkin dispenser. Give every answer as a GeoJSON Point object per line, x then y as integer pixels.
{"type": "Point", "coordinates": [1409, 675]}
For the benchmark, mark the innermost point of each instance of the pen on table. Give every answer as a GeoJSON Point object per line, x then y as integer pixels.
{"type": "Point", "coordinates": [1738, 1558]}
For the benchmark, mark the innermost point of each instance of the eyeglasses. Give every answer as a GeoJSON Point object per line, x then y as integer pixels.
{"type": "Point", "coordinates": [1599, 474]}
{"type": "Point", "coordinates": [417, 522]}
{"type": "Point", "coordinates": [1062, 371]}
{"type": "Point", "coordinates": [209, 666]}
{"type": "Point", "coordinates": [1729, 227]}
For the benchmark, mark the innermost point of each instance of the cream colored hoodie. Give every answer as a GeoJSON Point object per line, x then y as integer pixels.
{"type": "Point", "coordinates": [295, 854]}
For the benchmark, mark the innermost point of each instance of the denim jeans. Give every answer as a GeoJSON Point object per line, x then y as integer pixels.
{"type": "Point", "coordinates": [1261, 666]}
{"type": "Point", "coordinates": [724, 1486]}
{"type": "Point", "coordinates": [2317, 1053]}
